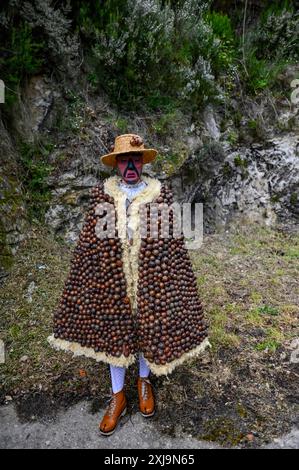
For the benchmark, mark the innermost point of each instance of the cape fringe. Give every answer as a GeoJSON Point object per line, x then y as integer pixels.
{"type": "Point", "coordinates": [131, 252]}
{"type": "Point", "coordinates": [122, 361]}
{"type": "Point", "coordinates": [130, 266]}
{"type": "Point", "coordinates": [168, 368]}
{"type": "Point", "coordinates": [78, 350]}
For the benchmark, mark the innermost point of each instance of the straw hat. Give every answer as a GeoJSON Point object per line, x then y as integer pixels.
{"type": "Point", "coordinates": [128, 143]}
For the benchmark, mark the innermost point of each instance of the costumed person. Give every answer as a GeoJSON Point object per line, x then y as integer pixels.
{"type": "Point", "coordinates": [130, 295]}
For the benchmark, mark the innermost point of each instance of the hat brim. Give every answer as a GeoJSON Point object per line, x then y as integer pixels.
{"type": "Point", "coordinates": [148, 156]}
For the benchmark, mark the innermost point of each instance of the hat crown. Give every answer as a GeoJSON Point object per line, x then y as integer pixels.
{"type": "Point", "coordinates": [128, 143]}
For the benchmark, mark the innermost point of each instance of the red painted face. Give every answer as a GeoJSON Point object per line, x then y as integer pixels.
{"type": "Point", "coordinates": [130, 166]}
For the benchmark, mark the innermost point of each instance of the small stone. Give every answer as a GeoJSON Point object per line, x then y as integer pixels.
{"type": "Point", "coordinates": [250, 437]}
{"type": "Point", "coordinates": [31, 288]}
{"type": "Point", "coordinates": [8, 398]}
{"type": "Point", "coordinates": [41, 266]}
{"type": "Point", "coordinates": [24, 359]}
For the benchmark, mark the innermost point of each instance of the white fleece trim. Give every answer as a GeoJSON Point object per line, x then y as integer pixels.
{"type": "Point", "coordinates": [168, 368]}
{"type": "Point", "coordinates": [122, 361]}
{"type": "Point", "coordinates": [78, 350]}
{"type": "Point", "coordinates": [131, 252]}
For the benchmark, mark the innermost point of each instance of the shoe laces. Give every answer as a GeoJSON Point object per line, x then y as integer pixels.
{"type": "Point", "coordinates": [111, 406]}
{"type": "Point", "coordinates": [145, 388]}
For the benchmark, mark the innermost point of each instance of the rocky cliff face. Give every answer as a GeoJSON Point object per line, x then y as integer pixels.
{"type": "Point", "coordinates": [249, 169]}
{"type": "Point", "coordinates": [12, 208]}
{"type": "Point", "coordinates": [258, 183]}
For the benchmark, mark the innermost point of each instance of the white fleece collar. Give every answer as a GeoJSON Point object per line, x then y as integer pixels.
{"type": "Point", "coordinates": [131, 252]}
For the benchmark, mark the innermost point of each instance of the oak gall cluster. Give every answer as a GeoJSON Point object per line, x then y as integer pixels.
{"type": "Point", "coordinates": [170, 315]}
{"type": "Point", "coordinates": [95, 311]}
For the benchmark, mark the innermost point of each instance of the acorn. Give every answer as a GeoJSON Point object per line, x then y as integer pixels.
{"type": "Point", "coordinates": [94, 309]}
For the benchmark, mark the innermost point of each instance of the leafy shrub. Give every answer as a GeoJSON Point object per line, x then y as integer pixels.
{"type": "Point", "coordinates": [156, 54]}
{"type": "Point", "coordinates": [277, 35]}
{"type": "Point", "coordinates": [261, 73]}
{"type": "Point", "coordinates": [52, 22]}
{"type": "Point", "coordinates": [20, 56]}
{"type": "Point", "coordinates": [35, 35]}
{"type": "Point", "coordinates": [35, 170]}
{"type": "Point", "coordinates": [226, 51]}
{"type": "Point", "coordinates": [150, 52]}
{"type": "Point", "coordinates": [270, 45]}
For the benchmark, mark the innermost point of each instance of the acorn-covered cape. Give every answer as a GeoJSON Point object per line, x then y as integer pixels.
{"type": "Point", "coordinates": [121, 298]}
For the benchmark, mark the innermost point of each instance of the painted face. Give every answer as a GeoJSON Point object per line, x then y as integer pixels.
{"type": "Point", "coordinates": [130, 166]}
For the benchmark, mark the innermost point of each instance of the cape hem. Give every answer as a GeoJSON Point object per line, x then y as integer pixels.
{"type": "Point", "coordinates": [166, 369]}
{"type": "Point", "coordinates": [78, 350]}
{"type": "Point", "coordinates": [122, 361]}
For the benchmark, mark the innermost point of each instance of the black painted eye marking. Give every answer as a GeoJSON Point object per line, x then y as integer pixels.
{"type": "Point", "coordinates": [131, 167]}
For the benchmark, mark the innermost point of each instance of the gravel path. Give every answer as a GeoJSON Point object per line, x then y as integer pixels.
{"type": "Point", "coordinates": [77, 428]}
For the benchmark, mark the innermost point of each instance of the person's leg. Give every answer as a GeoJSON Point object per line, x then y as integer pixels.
{"type": "Point", "coordinates": [144, 370]}
{"type": "Point", "coordinates": [117, 403]}
{"type": "Point", "coordinates": [117, 378]}
{"type": "Point", "coordinates": [145, 390]}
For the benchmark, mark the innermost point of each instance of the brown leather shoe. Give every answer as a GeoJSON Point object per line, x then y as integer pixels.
{"type": "Point", "coordinates": [146, 397]}
{"type": "Point", "coordinates": [116, 409]}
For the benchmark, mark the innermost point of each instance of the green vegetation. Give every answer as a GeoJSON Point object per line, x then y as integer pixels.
{"type": "Point", "coordinates": [294, 198]}
{"type": "Point", "coordinates": [222, 430]}
{"type": "Point", "coordinates": [6, 258]}
{"type": "Point", "coordinates": [268, 310]}
{"type": "Point", "coordinates": [268, 345]}
{"type": "Point", "coordinates": [146, 55]}
{"type": "Point", "coordinates": [74, 119]}
{"type": "Point", "coordinates": [161, 58]}
{"type": "Point", "coordinates": [249, 318]}
{"type": "Point", "coordinates": [257, 309]}
{"type": "Point", "coordinates": [235, 305]}
{"type": "Point", "coordinates": [21, 55]}
{"type": "Point", "coordinates": [35, 170]}
{"type": "Point", "coordinates": [233, 137]}
{"type": "Point", "coordinates": [161, 54]}
{"type": "Point", "coordinates": [225, 54]}
{"type": "Point", "coordinates": [270, 46]}
{"type": "Point", "coordinates": [163, 125]}
{"type": "Point", "coordinates": [157, 55]}
{"type": "Point", "coordinates": [241, 162]}
{"type": "Point", "coordinates": [172, 161]}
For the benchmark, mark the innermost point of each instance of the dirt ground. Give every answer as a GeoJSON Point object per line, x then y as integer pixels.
{"type": "Point", "coordinates": [243, 392]}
